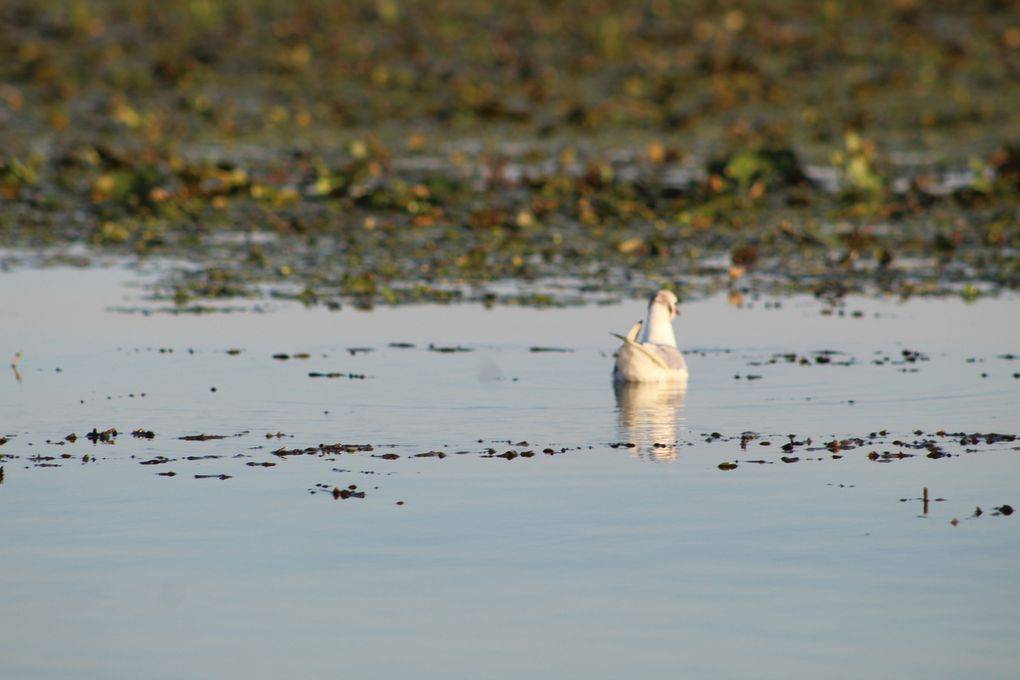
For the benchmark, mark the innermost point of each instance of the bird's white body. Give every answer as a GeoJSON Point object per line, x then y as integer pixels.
{"type": "Point", "coordinates": [649, 352]}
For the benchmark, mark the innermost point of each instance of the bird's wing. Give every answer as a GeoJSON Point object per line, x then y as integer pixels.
{"type": "Point", "coordinates": [652, 352]}
{"type": "Point", "coordinates": [632, 334]}
{"type": "Point", "coordinates": [666, 356]}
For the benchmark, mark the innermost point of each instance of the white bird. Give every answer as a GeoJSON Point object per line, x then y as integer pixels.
{"type": "Point", "coordinates": [652, 357]}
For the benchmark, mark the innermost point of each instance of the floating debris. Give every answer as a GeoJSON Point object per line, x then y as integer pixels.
{"type": "Point", "coordinates": [350, 376]}
{"type": "Point", "coordinates": [791, 448]}
{"type": "Point", "coordinates": [343, 494]}
{"type": "Point", "coordinates": [430, 454]}
{"type": "Point", "coordinates": [106, 436]}
{"type": "Point", "coordinates": [449, 349]}
{"type": "Point", "coordinates": [324, 449]}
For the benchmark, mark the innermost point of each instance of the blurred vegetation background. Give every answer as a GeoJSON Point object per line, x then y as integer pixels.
{"type": "Point", "coordinates": [391, 149]}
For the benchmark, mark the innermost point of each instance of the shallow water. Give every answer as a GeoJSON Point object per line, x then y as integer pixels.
{"type": "Point", "coordinates": [603, 560]}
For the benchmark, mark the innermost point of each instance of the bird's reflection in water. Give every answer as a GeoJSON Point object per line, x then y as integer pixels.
{"type": "Point", "coordinates": [650, 415]}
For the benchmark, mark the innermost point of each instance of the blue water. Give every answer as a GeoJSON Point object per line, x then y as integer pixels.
{"type": "Point", "coordinates": [598, 562]}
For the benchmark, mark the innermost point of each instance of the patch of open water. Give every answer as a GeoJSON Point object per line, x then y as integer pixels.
{"type": "Point", "coordinates": [625, 552]}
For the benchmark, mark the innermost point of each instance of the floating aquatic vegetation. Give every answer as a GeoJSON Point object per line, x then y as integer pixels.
{"type": "Point", "coordinates": [615, 150]}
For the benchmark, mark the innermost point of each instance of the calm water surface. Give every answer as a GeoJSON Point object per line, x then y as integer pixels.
{"type": "Point", "coordinates": [602, 561]}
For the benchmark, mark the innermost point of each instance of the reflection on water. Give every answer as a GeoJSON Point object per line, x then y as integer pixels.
{"type": "Point", "coordinates": [650, 415]}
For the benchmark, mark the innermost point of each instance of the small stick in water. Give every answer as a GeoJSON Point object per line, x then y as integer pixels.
{"type": "Point", "coordinates": [14, 366]}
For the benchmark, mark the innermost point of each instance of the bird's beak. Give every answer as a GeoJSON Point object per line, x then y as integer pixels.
{"type": "Point", "coordinates": [674, 310]}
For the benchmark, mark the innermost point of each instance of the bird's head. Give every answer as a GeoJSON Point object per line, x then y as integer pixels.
{"type": "Point", "coordinates": [668, 300]}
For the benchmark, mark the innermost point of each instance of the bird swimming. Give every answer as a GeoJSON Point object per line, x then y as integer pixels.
{"type": "Point", "coordinates": [649, 352]}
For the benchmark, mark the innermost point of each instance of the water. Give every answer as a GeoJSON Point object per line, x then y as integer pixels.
{"type": "Point", "coordinates": [600, 561]}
